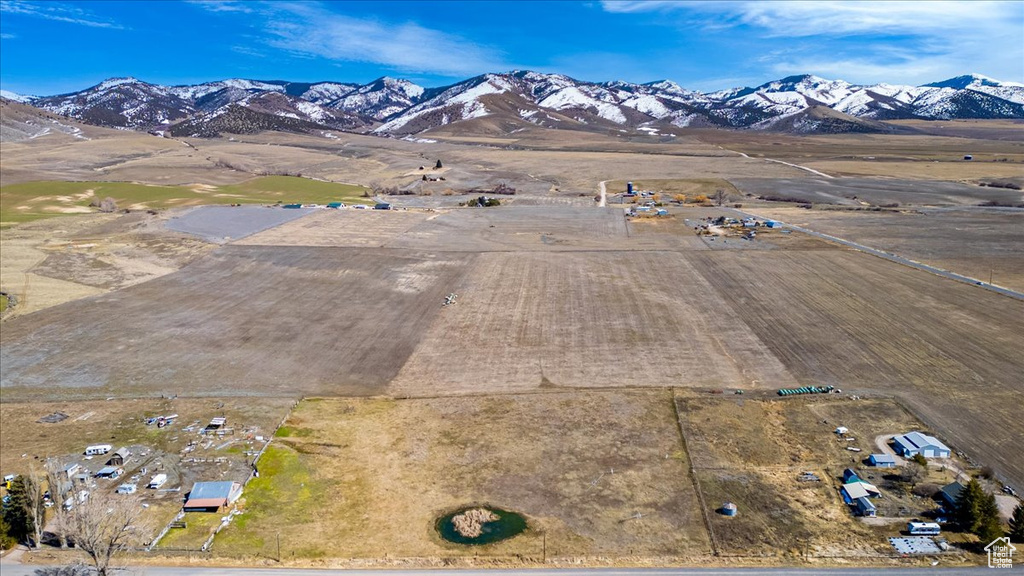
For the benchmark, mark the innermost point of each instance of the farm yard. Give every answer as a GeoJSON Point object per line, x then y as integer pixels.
{"type": "Point", "coordinates": [780, 463]}
{"type": "Point", "coordinates": [60, 431]}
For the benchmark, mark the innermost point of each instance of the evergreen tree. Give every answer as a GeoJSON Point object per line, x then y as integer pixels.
{"type": "Point", "coordinates": [15, 511]}
{"type": "Point", "coordinates": [438, 166]}
{"type": "Point", "coordinates": [1016, 532]}
{"type": "Point", "coordinates": [6, 539]}
{"type": "Point", "coordinates": [967, 506]}
{"type": "Point", "coordinates": [990, 526]}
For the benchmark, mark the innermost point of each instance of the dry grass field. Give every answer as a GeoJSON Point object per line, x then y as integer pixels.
{"type": "Point", "coordinates": [862, 192]}
{"type": "Point", "coordinates": [586, 319]}
{"type": "Point", "coordinates": [261, 321]}
{"type": "Point", "coordinates": [364, 478]}
{"type": "Point", "coordinates": [49, 262]}
{"type": "Point", "coordinates": [978, 242]}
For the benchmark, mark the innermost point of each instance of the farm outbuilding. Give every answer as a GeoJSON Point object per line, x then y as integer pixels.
{"type": "Point", "coordinates": [913, 443]}
{"type": "Point", "coordinates": [865, 507]}
{"type": "Point", "coordinates": [119, 457]}
{"type": "Point", "coordinates": [859, 489]}
{"type": "Point", "coordinates": [729, 509]}
{"type": "Point", "coordinates": [882, 460]}
{"type": "Point", "coordinates": [212, 496]}
{"type": "Point", "coordinates": [110, 472]}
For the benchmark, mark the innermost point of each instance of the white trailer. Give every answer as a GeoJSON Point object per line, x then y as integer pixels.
{"type": "Point", "coordinates": [157, 481]}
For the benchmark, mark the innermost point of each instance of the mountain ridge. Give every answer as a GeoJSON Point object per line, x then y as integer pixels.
{"type": "Point", "coordinates": [397, 108]}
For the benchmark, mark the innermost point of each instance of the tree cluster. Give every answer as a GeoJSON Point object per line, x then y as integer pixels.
{"type": "Point", "coordinates": [976, 512]}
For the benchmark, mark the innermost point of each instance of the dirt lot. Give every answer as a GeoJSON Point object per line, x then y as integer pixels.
{"type": "Point", "coordinates": [360, 478]}
{"type": "Point", "coordinates": [975, 242]}
{"type": "Point", "coordinates": [242, 321]}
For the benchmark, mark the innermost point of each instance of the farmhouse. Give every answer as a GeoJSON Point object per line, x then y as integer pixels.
{"type": "Point", "coordinates": [882, 460]}
{"type": "Point", "coordinates": [119, 457]}
{"type": "Point", "coordinates": [212, 496]}
{"type": "Point", "coordinates": [950, 493]}
{"type": "Point", "coordinates": [915, 443]}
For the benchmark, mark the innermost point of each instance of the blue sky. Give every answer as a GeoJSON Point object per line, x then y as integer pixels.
{"type": "Point", "coordinates": [48, 47]}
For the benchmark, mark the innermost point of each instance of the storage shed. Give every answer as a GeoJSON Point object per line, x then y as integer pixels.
{"type": "Point", "coordinates": [212, 496]}
{"type": "Point", "coordinates": [119, 457]}
{"type": "Point", "coordinates": [882, 460]}
{"type": "Point", "coordinates": [729, 509]}
{"type": "Point", "coordinates": [865, 507]}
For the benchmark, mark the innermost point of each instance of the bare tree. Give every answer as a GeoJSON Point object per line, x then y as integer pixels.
{"type": "Point", "coordinates": [720, 197]}
{"type": "Point", "coordinates": [105, 525]}
{"type": "Point", "coordinates": [34, 503]}
{"type": "Point", "coordinates": [60, 490]}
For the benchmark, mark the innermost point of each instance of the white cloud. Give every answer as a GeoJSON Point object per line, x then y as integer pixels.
{"type": "Point", "coordinates": [58, 12]}
{"type": "Point", "coordinates": [311, 29]}
{"type": "Point", "coordinates": [6, 36]}
{"type": "Point", "coordinates": [869, 41]}
{"type": "Point", "coordinates": [223, 5]}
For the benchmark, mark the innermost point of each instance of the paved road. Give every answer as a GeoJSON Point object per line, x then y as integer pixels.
{"type": "Point", "coordinates": [197, 571]}
{"type": "Point", "coordinates": [900, 259]}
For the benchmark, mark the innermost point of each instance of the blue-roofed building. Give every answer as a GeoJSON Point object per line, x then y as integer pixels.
{"type": "Point", "coordinates": [865, 507]}
{"type": "Point", "coordinates": [212, 496]}
{"type": "Point", "coordinates": [882, 460]}
{"type": "Point", "coordinates": [850, 476]}
{"type": "Point", "coordinates": [909, 445]}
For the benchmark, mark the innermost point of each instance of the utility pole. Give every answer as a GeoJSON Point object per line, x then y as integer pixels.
{"type": "Point", "coordinates": [278, 547]}
{"type": "Point", "coordinates": [545, 555]}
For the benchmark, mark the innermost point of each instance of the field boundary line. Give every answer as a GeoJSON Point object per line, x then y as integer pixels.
{"type": "Point", "coordinates": [693, 476]}
{"type": "Point", "coordinates": [896, 258]}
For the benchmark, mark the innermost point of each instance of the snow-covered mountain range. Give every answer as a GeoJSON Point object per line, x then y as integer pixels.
{"type": "Point", "coordinates": [512, 100]}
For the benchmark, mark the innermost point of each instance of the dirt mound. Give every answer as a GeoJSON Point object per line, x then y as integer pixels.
{"type": "Point", "coordinates": [470, 523]}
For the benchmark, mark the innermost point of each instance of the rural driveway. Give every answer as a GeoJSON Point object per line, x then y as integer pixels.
{"type": "Point", "coordinates": [604, 195]}
{"type": "Point", "coordinates": [882, 442]}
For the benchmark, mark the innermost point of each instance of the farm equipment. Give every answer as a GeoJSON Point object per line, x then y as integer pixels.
{"type": "Point", "coordinates": [806, 390]}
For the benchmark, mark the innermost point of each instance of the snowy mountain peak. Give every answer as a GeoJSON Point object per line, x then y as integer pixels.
{"type": "Point", "coordinates": [667, 86]}
{"type": "Point", "coordinates": [114, 82]}
{"type": "Point", "coordinates": [971, 81]}
{"type": "Point", "coordinates": [15, 96]}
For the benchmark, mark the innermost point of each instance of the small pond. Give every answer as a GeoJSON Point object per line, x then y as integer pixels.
{"type": "Point", "coordinates": [477, 525]}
